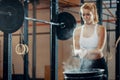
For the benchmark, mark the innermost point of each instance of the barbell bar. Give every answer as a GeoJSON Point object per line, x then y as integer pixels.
{"type": "Point", "coordinates": [43, 21]}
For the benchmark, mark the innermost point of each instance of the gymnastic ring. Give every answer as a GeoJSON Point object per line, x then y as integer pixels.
{"type": "Point", "coordinates": [18, 47]}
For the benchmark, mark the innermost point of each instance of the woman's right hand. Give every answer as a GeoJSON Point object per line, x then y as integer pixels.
{"type": "Point", "coordinates": [80, 53]}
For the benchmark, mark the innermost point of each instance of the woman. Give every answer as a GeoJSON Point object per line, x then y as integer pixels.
{"type": "Point", "coordinates": [89, 40]}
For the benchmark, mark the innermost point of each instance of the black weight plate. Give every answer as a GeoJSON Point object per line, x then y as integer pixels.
{"type": "Point", "coordinates": [65, 31]}
{"type": "Point", "coordinates": [11, 15]}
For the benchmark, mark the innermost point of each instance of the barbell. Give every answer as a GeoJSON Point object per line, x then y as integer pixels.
{"type": "Point", "coordinates": [12, 18]}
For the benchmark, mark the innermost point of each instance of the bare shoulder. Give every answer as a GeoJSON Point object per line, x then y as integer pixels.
{"type": "Point", "coordinates": [77, 30]}
{"type": "Point", "coordinates": [101, 28]}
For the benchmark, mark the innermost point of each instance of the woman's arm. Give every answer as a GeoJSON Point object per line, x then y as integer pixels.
{"type": "Point", "coordinates": [76, 47]}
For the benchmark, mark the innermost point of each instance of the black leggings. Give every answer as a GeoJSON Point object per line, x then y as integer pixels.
{"type": "Point", "coordinates": [92, 64]}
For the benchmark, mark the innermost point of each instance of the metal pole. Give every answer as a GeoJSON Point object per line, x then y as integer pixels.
{"type": "Point", "coordinates": [81, 3]}
{"type": "Point", "coordinates": [117, 77]}
{"type": "Point", "coordinates": [26, 76]}
{"type": "Point", "coordinates": [34, 43]}
{"type": "Point", "coordinates": [7, 57]}
{"type": "Point", "coordinates": [53, 40]}
{"type": "Point", "coordinates": [99, 10]}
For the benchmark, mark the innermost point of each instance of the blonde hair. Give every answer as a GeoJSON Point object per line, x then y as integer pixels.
{"type": "Point", "coordinates": [91, 7]}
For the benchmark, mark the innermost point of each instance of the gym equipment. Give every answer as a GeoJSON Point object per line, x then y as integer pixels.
{"type": "Point", "coordinates": [84, 74]}
{"type": "Point", "coordinates": [25, 31]}
{"type": "Point", "coordinates": [21, 48]}
{"type": "Point", "coordinates": [7, 58]}
{"type": "Point", "coordinates": [65, 31]}
{"type": "Point", "coordinates": [11, 19]}
{"type": "Point", "coordinates": [65, 26]}
{"type": "Point", "coordinates": [11, 15]}
{"type": "Point", "coordinates": [117, 34]}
